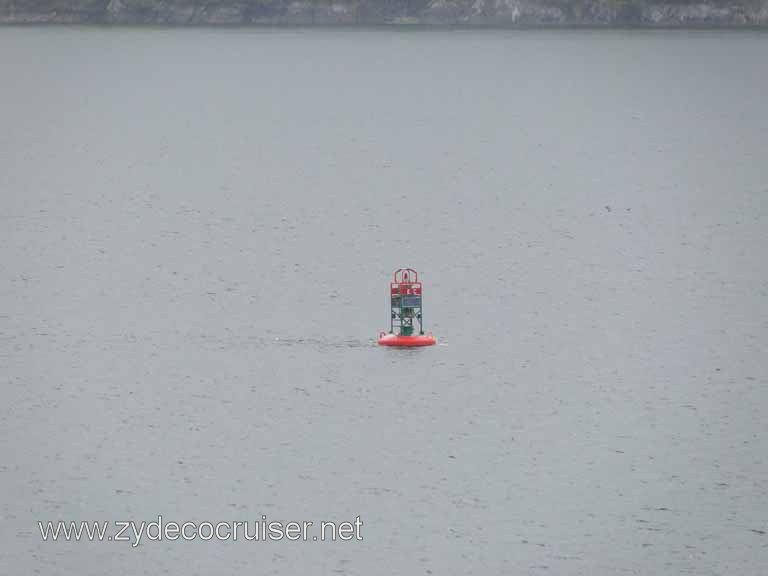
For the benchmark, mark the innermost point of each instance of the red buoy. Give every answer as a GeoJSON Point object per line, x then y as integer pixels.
{"type": "Point", "coordinates": [405, 308]}
{"type": "Point", "coordinates": [406, 341]}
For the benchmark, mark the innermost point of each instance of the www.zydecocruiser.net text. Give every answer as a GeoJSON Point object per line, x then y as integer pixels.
{"type": "Point", "coordinates": [160, 530]}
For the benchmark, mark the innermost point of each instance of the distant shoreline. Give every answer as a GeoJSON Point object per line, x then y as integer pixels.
{"type": "Point", "coordinates": [404, 14]}
{"type": "Point", "coordinates": [383, 27]}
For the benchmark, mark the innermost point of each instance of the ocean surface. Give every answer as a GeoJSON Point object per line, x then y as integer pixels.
{"type": "Point", "coordinates": [197, 232]}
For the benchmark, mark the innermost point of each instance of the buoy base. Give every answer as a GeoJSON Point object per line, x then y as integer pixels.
{"type": "Point", "coordinates": [406, 341]}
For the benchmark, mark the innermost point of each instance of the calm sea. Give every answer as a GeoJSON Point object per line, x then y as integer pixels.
{"type": "Point", "coordinates": [197, 231]}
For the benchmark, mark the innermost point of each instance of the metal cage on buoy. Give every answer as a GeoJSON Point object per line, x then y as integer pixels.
{"type": "Point", "coordinates": [406, 311]}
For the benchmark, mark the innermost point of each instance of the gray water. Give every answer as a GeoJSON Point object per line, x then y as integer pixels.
{"type": "Point", "coordinates": [197, 232]}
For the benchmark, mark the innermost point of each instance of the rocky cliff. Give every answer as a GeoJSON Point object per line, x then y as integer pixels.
{"type": "Point", "coordinates": [661, 13]}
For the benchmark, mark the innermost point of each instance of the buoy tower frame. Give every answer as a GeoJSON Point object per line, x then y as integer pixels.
{"type": "Point", "coordinates": [406, 303]}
